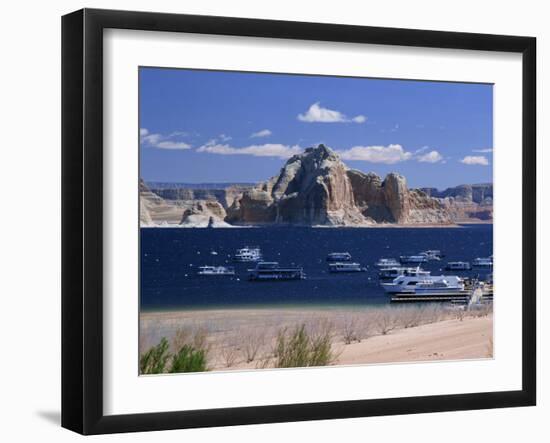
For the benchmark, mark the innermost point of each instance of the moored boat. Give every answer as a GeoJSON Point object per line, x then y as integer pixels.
{"type": "Point", "coordinates": [458, 266]}
{"type": "Point", "coordinates": [482, 262]}
{"type": "Point", "coordinates": [432, 254]}
{"type": "Point", "coordinates": [425, 284]}
{"type": "Point", "coordinates": [248, 254]}
{"type": "Point", "coordinates": [216, 270]}
{"type": "Point", "coordinates": [345, 267]}
{"type": "Point", "coordinates": [413, 259]}
{"type": "Point", "coordinates": [339, 256]}
{"type": "Point", "coordinates": [272, 271]}
{"type": "Point", "coordinates": [387, 263]}
{"type": "Point", "coordinates": [396, 271]}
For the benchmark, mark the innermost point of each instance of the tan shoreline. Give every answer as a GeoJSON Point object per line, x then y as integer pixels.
{"type": "Point", "coordinates": [444, 335]}
{"type": "Point", "coordinates": [470, 338]}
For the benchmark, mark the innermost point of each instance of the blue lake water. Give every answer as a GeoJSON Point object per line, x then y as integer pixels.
{"type": "Point", "coordinates": [170, 258]}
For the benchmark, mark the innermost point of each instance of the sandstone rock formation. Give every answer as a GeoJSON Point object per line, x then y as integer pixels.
{"type": "Point", "coordinates": [391, 201]}
{"type": "Point", "coordinates": [203, 212]}
{"type": "Point", "coordinates": [311, 189]}
{"type": "Point", "coordinates": [317, 188]}
{"type": "Point", "coordinates": [153, 210]}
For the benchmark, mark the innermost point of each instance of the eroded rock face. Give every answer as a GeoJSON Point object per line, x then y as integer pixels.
{"type": "Point", "coordinates": [311, 189]}
{"type": "Point", "coordinates": [154, 210]}
{"type": "Point", "coordinates": [203, 213]}
{"type": "Point", "coordinates": [391, 201]}
{"type": "Point", "coordinates": [317, 188]}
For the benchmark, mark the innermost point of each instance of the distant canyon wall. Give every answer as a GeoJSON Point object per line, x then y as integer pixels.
{"type": "Point", "coordinates": [466, 203]}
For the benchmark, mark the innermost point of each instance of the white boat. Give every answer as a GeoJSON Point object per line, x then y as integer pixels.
{"type": "Point", "coordinates": [458, 266]}
{"type": "Point", "coordinates": [339, 256]}
{"type": "Point", "coordinates": [216, 270]}
{"type": "Point", "coordinates": [432, 254]}
{"type": "Point", "coordinates": [387, 263]}
{"type": "Point", "coordinates": [345, 267]}
{"type": "Point", "coordinates": [393, 272]}
{"type": "Point", "coordinates": [413, 259]}
{"type": "Point", "coordinates": [248, 254]}
{"type": "Point", "coordinates": [272, 271]}
{"type": "Point", "coordinates": [424, 285]}
{"type": "Point", "coordinates": [481, 262]}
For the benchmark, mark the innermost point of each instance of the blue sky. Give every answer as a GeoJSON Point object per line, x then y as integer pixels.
{"type": "Point", "coordinates": [214, 126]}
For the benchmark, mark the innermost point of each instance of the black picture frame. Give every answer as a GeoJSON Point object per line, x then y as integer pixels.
{"type": "Point", "coordinates": [82, 218]}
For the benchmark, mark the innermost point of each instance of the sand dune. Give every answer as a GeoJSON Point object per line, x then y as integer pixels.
{"type": "Point", "coordinates": [440, 334]}
{"type": "Point", "coordinates": [444, 340]}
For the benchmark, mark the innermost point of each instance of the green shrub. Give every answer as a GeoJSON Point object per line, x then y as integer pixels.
{"type": "Point", "coordinates": [189, 359]}
{"type": "Point", "coordinates": [321, 349]}
{"type": "Point", "coordinates": [299, 348]}
{"type": "Point", "coordinates": [155, 359]}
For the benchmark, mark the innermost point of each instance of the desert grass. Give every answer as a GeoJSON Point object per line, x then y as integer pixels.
{"type": "Point", "coordinates": [305, 346]}
{"type": "Point", "coordinates": [279, 338]}
{"type": "Point", "coordinates": [186, 352]}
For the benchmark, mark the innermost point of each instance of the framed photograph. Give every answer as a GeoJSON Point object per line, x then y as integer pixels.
{"type": "Point", "coordinates": [269, 221]}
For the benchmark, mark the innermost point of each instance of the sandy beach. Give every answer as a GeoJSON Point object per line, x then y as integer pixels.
{"type": "Point", "coordinates": [240, 339]}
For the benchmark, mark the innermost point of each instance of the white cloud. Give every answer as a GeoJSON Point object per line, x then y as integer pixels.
{"type": "Point", "coordinates": [224, 137]}
{"type": "Point", "coordinates": [483, 150]}
{"type": "Point", "coordinates": [430, 157]}
{"type": "Point", "coordinates": [262, 133]}
{"type": "Point", "coordinates": [475, 160]}
{"type": "Point", "coordinates": [317, 114]}
{"type": "Point", "coordinates": [266, 150]}
{"type": "Point", "coordinates": [179, 134]}
{"type": "Point", "coordinates": [422, 149]}
{"type": "Point", "coordinates": [376, 154]}
{"type": "Point", "coordinates": [172, 145]}
{"type": "Point", "coordinates": [150, 139]}
{"type": "Point", "coordinates": [161, 141]}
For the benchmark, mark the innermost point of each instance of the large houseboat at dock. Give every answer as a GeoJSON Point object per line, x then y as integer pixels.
{"type": "Point", "coordinates": [427, 288]}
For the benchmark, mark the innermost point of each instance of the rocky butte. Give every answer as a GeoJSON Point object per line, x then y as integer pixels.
{"type": "Point", "coordinates": [317, 188]}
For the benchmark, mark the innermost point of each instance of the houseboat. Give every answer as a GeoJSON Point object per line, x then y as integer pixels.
{"type": "Point", "coordinates": [446, 288]}
{"type": "Point", "coordinates": [483, 262]}
{"type": "Point", "coordinates": [413, 259]}
{"type": "Point", "coordinates": [248, 254]}
{"type": "Point", "coordinates": [272, 271]}
{"type": "Point", "coordinates": [339, 256]}
{"type": "Point", "coordinates": [432, 254]}
{"type": "Point", "coordinates": [396, 271]}
{"type": "Point", "coordinates": [458, 266]}
{"type": "Point", "coordinates": [345, 267]}
{"type": "Point", "coordinates": [387, 263]}
{"type": "Point", "coordinates": [216, 270]}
